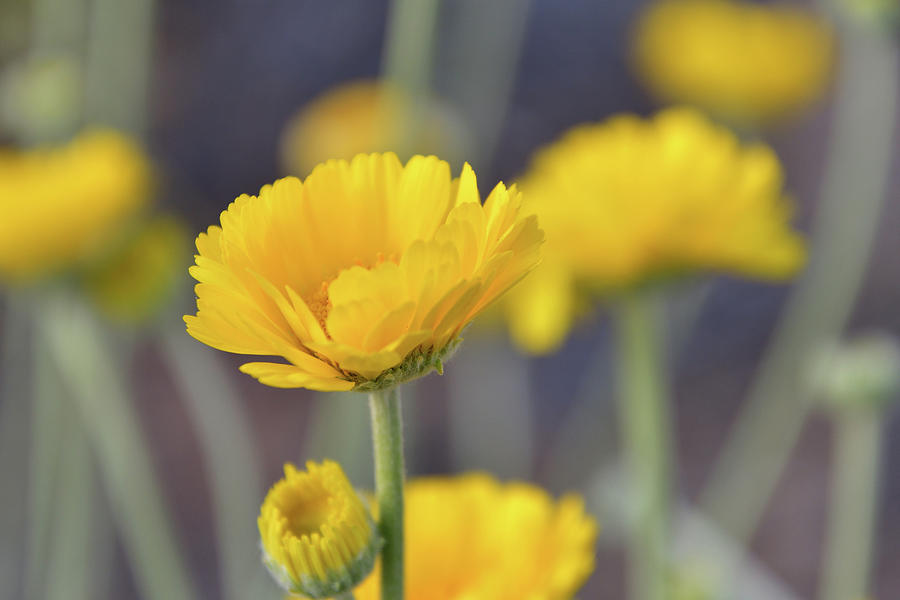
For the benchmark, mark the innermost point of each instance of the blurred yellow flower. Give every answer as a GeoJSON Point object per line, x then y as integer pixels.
{"type": "Point", "coordinates": [318, 539]}
{"type": "Point", "coordinates": [361, 117]}
{"type": "Point", "coordinates": [61, 206]}
{"type": "Point", "coordinates": [747, 62]}
{"type": "Point", "coordinates": [362, 276]}
{"type": "Point", "coordinates": [632, 200]}
{"type": "Point", "coordinates": [138, 276]}
{"type": "Point", "coordinates": [472, 537]}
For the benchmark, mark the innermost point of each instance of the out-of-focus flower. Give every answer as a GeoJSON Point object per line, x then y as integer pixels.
{"type": "Point", "coordinates": [139, 275]}
{"type": "Point", "coordinates": [363, 117]}
{"type": "Point", "coordinates": [360, 277]}
{"type": "Point", "coordinates": [61, 207]}
{"type": "Point", "coordinates": [472, 537]}
{"type": "Point", "coordinates": [318, 538]}
{"type": "Point", "coordinates": [746, 62]}
{"type": "Point", "coordinates": [630, 200]}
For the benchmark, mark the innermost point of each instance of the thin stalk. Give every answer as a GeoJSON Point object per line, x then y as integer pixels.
{"type": "Point", "coordinates": [387, 440]}
{"type": "Point", "coordinates": [14, 417]}
{"type": "Point", "coordinates": [644, 415]}
{"type": "Point", "coordinates": [854, 493]}
{"type": "Point", "coordinates": [346, 596]}
{"type": "Point", "coordinates": [230, 453]}
{"type": "Point", "coordinates": [119, 57]}
{"type": "Point", "coordinates": [69, 571]}
{"type": "Point", "coordinates": [92, 374]}
{"type": "Point", "coordinates": [854, 191]}
{"type": "Point", "coordinates": [408, 58]}
{"type": "Point", "coordinates": [46, 430]}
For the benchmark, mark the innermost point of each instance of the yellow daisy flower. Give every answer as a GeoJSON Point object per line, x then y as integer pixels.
{"type": "Point", "coordinates": [360, 277]}
{"type": "Point", "coordinates": [471, 537]}
{"type": "Point", "coordinates": [361, 117]}
{"type": "Point", "coordinates": [632, 200]}
{"type": "Point", "coordinates": [747, 62]}
{"type": "Point", "coordinates": [61, 206]}
{"type": "Point", "coordinates": [318, 539]}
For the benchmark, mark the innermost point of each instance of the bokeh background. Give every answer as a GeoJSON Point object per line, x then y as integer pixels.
{"type": "Point", "coordinates": [224, 77]}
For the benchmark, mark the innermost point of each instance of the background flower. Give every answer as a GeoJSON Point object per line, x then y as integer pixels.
{"type": "Point", "coordinates": [629, 201]}
{"type": "Point", "coordinates": [747, 62]}
{"type": "Point", "coordinates": [475, 538]}
{"type": "Point", "coordinates": [60, 206]}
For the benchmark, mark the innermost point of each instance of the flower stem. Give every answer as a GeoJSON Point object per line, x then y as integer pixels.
{"type": "Point", "coordinates": [88, 369]}
{"type": "Point", "coordinates": [387, 439]}
{"type": "Point", "coordinates": [346, 596]}
{"type": "Point", "coordinates": [854, 489]}
{"type": "Point", "coordinates": [644, 424]}
{"type": "Point", "coordinates": [408, 58]}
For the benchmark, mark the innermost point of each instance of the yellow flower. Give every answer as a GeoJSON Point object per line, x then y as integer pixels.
{"type": "Point", "coordinates": [139, 275]}
{"type": "Point", "coordinates": [362, 117]}
{"type": "Point", "coordinates": [471, 537]}
{"type": "Point", "coordinates": [631, 200]}
{"type": "Point", "coordinates": [59, 207]}
{"type": "Point", "coordinates": [318, 539]}
{"type": "Point", "coordinates": [747, 62]}
{"type": "Point", "coordinates": [361, 276]}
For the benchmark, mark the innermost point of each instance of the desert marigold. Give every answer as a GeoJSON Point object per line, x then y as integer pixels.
{"type": "Point", "coordinates": [747, 62]}
{"type": "Point", "coordinates": [631, 200]}
{"type": "Point", "coordinates": [318, 538]}
{"type": "Point", "coordinates": [361, 117]}
{"type": "Point", "coordinates": [475, 538]}
{"type": "Point", "coordinates": [360, 277]}
{"type": "Point", "coordinates": [61, 206]}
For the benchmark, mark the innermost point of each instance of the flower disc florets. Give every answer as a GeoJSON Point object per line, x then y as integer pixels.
{"type": "Point", "coordinates": [361, 276]}
{"type": "Point", "coordinates": [318, 538]}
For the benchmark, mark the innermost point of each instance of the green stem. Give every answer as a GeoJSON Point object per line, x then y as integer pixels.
{"type": "Point", "coordinates": [92, 375]}
{"type": "Point", "coordinates": [858, 167]}
{"type": "Point", "coordinates": [229, 452]}
{"type": "Point", "coordinates": [387, 439]}
{"type": "Point", "coordinates": [47, 420]}
{"type": "Point", "coordinates": [644, 418]}
{"type": "Point", "coordinates": [408, 58]}
{"type": "Point", "coordinates": [854, 489]}
{"type": "Point", "coordinates": [345, 596]}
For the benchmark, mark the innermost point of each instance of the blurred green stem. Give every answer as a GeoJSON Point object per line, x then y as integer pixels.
{"type": "Point", "coordinates": [644, 418]}
{"type": "Point", "coordinates": [853, 501]}
{"type": "Point", "coordinates": [119, 58]}
{"type": "Point", "coordinates": [46, 430]}
{"type": "Point", "coordinates": [408, 58]}
{"type": "Point", "coordinates": [57, 26]}
{"type": "Point", "coordinates": [69, 571]}
{"type": "Point", "coordinates": [854, 190]}
{"type": "Point", "coordinates": [94, 379]}
{"type": "Point", "coordinates": [14, 415]}
{"type": "Point", "coordinates": [387, 439]}
{"type": "Point", "coordinates": [230, 453]}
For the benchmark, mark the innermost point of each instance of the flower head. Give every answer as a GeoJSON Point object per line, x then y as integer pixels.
{"type": "Point", "coordinates": [361, 117]}
{"type": "Point", "coordinates": [475, 538]}
{"type": "Point", "coordinates": [631, 200]}
{"type": "Point", "coordinates": [62, 206]}
{"type": "Point", "coordinates": [747, 62]}
{"type": "Point", "coordinates": [361, 276]}
{"type": "Point", "coordinates": [318, 538]}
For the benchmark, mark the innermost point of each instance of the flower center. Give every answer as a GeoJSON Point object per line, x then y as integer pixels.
{"type": "Point", "coordinates": [320, 304]}
{"type": "Point", "coordinates": [307, 516]}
